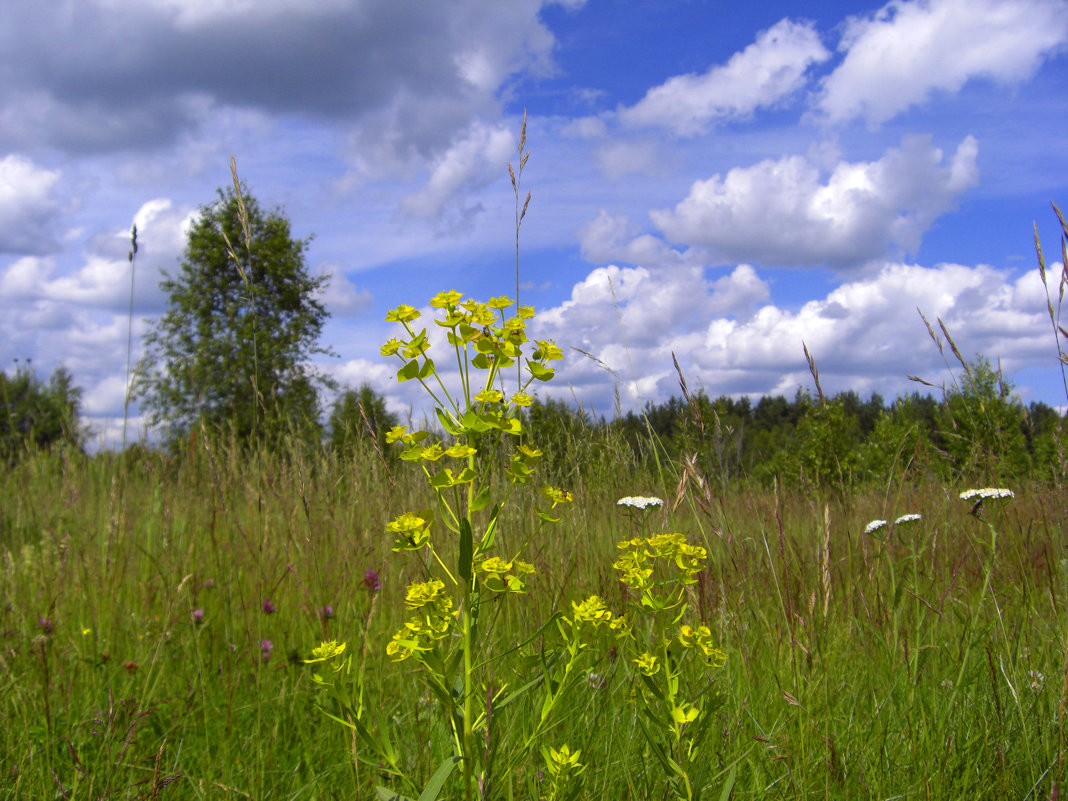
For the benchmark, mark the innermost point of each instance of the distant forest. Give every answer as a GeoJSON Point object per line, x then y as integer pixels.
{"type": "Point", "coordinates": [977, 431]}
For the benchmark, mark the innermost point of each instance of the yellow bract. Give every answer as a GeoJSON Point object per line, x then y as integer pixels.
{"type": "Point", "coordinates": [328, 650]}
{"type": "Point", "coordinates": [592, 610]}
{"type": "Point", "coordinates": [402, 314]}
{"type": "Point", "coordinates": [445, 300]}
{"type": "Point", "coordinates": [647, 664]}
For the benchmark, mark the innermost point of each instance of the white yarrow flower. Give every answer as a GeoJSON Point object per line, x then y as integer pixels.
{"type": "Point", "coordinates": [639, 502]}
{"type": "Point", "coordinates": [907, 519]}
{"type": "Point", "coordinates": [987, 493]}
{"type": "Point", "coordinates": [874, 526]}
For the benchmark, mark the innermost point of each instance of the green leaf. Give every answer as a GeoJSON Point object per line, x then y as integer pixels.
{"type": "Point", "coordinates": [409, 371]}
{"type": "Point", "coordinates": [726, 792]}
{"type": "Point", "coordinates": [512, 696]}
{"type": "Point", "coordinates": [491, 530]}
{"type": "Point", "coordinates": [540, 371]}
{"type": "Point", "coordinates": [473, 422]}
{"type": "Point", "coordinates": [481, 499]}
{"type": "Point", "coordinates": [546, 516]}
{"type": "Point", "coordinates": [448, 423]}
{"type": "Point", "coordinates": [466, 549]}
{"type": "Point", "coordinates": [427, 369]}
{"type": "Point", "coordinates": [437, 781]}
{"type": "Point", "coordinates": [443, 479]}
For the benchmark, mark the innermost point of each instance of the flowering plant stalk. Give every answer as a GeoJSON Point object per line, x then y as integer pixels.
{"type": "Point", "coordinates": [464, 560]}
{"type": "Point", "coordinates": [661, 568]}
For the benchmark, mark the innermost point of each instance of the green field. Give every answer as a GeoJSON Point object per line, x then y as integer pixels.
{"type": "Point", "coordinates": [926, 660]}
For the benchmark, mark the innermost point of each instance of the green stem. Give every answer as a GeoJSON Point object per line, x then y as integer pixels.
{"type": "Point", "coordinates": [681, 755]}
{"type": "Point", "coordinates": [469, 695]}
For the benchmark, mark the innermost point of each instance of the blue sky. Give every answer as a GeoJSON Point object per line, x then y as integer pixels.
{"type": "Point", "coordinates": [719, 181]}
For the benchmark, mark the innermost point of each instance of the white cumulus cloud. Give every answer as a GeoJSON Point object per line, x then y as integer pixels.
{"type": "Point", "coordinates": [474, 159]}
{"type": "Point", "coordinates": [785, 212]}
{"type": "Point", "coordinates": [909, 49]}
{"type": "Point", "coordinates": [732, 337]}
{"type": "Point", "coordinates": [28, 208]}
{"type": "Point", "coordinates": [771, 68]}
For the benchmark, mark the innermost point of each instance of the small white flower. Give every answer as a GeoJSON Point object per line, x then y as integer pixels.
{"type": "Point", "coordinates": [874, 526]}
{"type": "Point", "coordinates": [987, 493]}
{"type": "Point", "coordinates": [907, 519]}
{"type": "Point", "coordinates": [638, 502]}
{"type": "Point", "coordinates": [1038, 681]}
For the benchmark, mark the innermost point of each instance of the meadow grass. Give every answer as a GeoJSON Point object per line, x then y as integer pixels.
{"type": "Point", "coordinates": [924, 660]}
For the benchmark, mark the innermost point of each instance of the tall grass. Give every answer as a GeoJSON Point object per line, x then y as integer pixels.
{"type": "Point", "coordinates": [923, 663]}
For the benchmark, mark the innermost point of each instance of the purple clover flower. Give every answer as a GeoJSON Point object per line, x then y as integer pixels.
{"type": "Point", "coordinates": [266, 646]}
{"type": "Point", "coordinates": [268, 607]}
{"type": "Point", "coordinates": [326, 613]}
{"type": "Point", "coordinates": [371, 580]}
{"type": "Point", "coordinates": [198, 616]}
{"type": "Point", "coordinates": [46, 625]}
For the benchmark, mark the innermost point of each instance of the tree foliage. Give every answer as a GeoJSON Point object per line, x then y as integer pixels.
{"type": "Point", "coordinates": [36, 414]}
{"type": "Point", "coordinates": [357, 416]}
{"type": "Point", "coordinates": [231, 350]}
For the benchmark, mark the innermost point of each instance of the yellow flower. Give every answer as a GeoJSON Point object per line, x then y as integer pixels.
{"type": "Point", "coordinates": [412, 532]}
{"type": "Point", "coordinates": [562, 760]}
{"type": "Point", "coordinates": [460, 451]}
{"type": "Point", "coordinates": [502, 576]}
{"type": "Point", "coordinates": [445, 300]}
{"type": "Point", "coordinates": [402, 314]}
{"type": "Point", "coordinates": [592, 610]}
{"type": "Point", "coordinates": [555, 494]}
{"type": "Point", "coordinates": [391, 347]}
{"type": "Point", "coordinates": [503, 302]}
{"type": "Point", "coordinates": [647, 664]}
{"type": "Point", "coordinates": [490, 396]}
{"type": "Point", "coordinates": [685, 713]}
{"type": "Point", "coordinates": [522, 399]}
{"type": "Point", "coordinates": [547, 350]}
{"type": "Point", "coordinates": [422, 593]}
{"type": "Point", "coordinates": [432, 453]}
{"type": "Point", "coordinates": [328, 650]}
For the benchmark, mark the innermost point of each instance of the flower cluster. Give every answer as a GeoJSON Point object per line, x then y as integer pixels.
{"type": "Point", "coordinates": [639, 502]}
{"type": "Point", "coordinates": [700, 639]}
{"type": "Point", "coordinates": [987, 493]}
{"type": "Point", "coordinates": [670, 554]}
{"type": "Point", "coordinates": [327, 652]}
{"type": "Point", "coordinates": [501, 576]}
{"type": "Point", "coordinates": [410, 532]}
{"type": "Point", "coordinates": [431, 620]}
{"type": "Point", "coordinates": [875, 525]}
{"type": "Point", "coordinates": [593, 612]}
{"type": "Point", "coordinates": [564, 770]}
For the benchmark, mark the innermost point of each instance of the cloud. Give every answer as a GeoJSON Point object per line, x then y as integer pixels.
{"type": "Point", "coordinates": [342, 298]}
{"type": "Point", "coordinates": [783, 212]}
{"type": "Point", "coordinates": [611, 237]}
{"type": "Point", "coordinates": [473, 160]}
{"type": "Point", "coordinates": [731, 337]}
{"type": "Point", "coordinates": [619, 158]}
{"type": "Point", "coordinates": [28, 208]}
{"type": "Point", "coordinates": [766, 72]}
{"type": "Point", "coordinates": [102, 281]}
{"type": "Point", "coordinates": [908, 50]}
{"type": "Point", "coordinates": [152, 71]}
